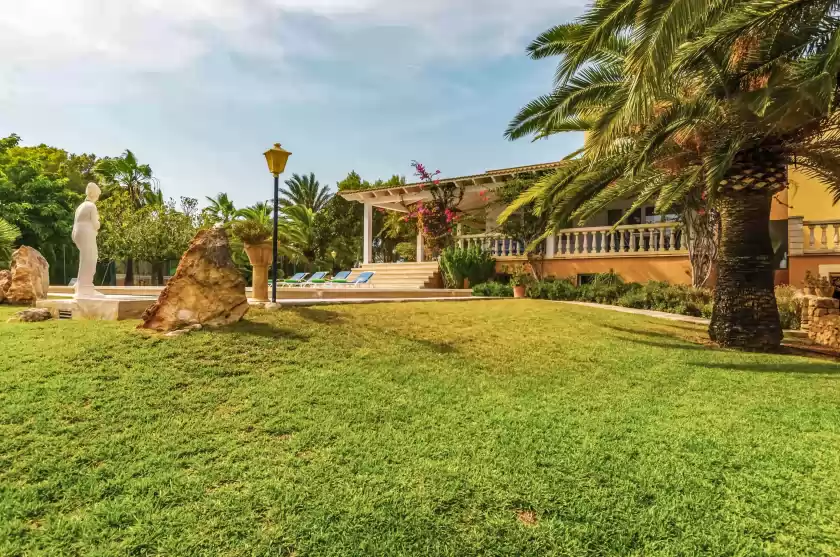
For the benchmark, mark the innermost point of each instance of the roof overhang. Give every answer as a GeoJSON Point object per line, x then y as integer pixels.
{"type": "Point", "coordinates": [396, 198]}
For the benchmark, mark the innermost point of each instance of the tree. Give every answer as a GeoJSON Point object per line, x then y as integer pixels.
{"type": "Point", "coordinates": [126, 172]}
{"type": "Point", "coordinates": [221, 208]}
{"type": "Point", "coordinates": [153, 233]}
{"type": "Point", "coordinates": [305, 191]}
{"type": "Point", "coordinates": [8, 234]}
{"type": "Point", "coordinates": [527, 225]}
{"type": "Point", "coordinates": [673, 113]}
{"type": "Point", "coordinates": [136, 179]}
{"type": "Point", "coordinates": [297, 230]}
{"type": "Point", "coordinates": [36, 199]}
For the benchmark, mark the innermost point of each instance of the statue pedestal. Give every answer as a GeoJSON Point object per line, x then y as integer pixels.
{"type": "Point", "coordinates": [106, 308]}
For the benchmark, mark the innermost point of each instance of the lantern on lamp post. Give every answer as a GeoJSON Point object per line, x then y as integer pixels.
{"type": "Point", "coordinates": [276, 157]}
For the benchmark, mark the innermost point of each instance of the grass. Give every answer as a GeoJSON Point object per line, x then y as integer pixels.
{"type": "Point", "coordinates": [482, 428]}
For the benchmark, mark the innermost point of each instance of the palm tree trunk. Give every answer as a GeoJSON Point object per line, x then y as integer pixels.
{"type": "Point", "coordinates": [745, 313]}
{"type": "Point", "coordinates": [129, 272]}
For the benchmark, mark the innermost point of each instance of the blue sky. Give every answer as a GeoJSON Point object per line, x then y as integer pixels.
{"type": "Point", "coordinates": [199, 88]}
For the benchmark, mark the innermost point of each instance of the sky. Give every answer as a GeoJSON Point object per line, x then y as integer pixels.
{"type": "Point", "coordinates": [199, 89]}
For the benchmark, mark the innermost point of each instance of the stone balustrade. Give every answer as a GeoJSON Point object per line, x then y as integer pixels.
{"type": "Point", "coordinates": [497, 245]}
{"type": "Point", "coordinates": [604, 241]}
{"type": "Point", "coordinates": [820, 236]}
{"type": "Point", "coordinates": [643, 239]}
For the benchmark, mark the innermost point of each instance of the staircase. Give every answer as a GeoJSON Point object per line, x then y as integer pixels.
{"type": "Point", "coordinates": [403, 275]}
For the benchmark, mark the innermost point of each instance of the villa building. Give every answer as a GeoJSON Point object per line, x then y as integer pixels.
{"type": "Point", "coordinates": [805, 228]}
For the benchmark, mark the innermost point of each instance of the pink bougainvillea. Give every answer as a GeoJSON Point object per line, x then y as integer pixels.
{"type": "Point", "coordinates": [438, 217]}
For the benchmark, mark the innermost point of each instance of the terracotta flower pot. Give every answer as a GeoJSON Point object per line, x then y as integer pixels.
{"type": "Point", "coordinates": [260, 256]}
{"type": "Point", "coordinates": [519, 291]}
{"type": "Point", "coordinates": [825, 291]}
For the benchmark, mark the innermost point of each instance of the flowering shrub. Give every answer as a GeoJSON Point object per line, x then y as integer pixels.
{"type": "Point", "coordinates": [439, 217]}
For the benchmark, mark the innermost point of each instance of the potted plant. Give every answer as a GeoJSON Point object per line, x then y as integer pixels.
{"type": "Point", "coordinates": [520, 277]}
{"type": "Point", "coordinates": [817, 286]}
{"type": "Point", "coordinates": [256, 237]}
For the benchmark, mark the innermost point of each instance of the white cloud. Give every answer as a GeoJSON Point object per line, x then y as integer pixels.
{"type": "Point", "coordinates": [167, 35]}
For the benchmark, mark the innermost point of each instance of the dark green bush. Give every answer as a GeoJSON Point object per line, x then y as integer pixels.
{"type": "Point", "coordinates": [473, 263]}
{"type": "Point", "coordinates": [493, 289]}
{"type": "Point", "coordinates": [610, 288]}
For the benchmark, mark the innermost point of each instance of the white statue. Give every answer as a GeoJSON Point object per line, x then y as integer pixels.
{"type": "Point", "coordinates": [85, 229]}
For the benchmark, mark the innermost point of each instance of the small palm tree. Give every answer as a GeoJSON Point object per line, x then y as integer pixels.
{"type": "Point", "coordinates": [221, 208]}
{"type": "Point", "coordinates": [259, 212]}
{"type": "Point", "coordinates": [8, 234]}
{"type": "Point", "coordinates": [305, 191]}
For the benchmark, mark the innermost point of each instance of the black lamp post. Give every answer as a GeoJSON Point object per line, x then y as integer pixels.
{"type": "Point", "coordinates": [276, 158]}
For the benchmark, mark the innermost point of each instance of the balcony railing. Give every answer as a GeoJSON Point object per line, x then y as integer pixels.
{"type": "Point", "coordinates": [645, 239]}
{"type": "Point", "coordinates": [497, 244]}
{"type": "Point", "coordinates": [821, 236]}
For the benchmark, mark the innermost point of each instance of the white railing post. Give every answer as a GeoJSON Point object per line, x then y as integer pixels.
{"type": "Point", "coordinates": [824, 236]}
{"type": "Point", "coordinates": [551, 245]}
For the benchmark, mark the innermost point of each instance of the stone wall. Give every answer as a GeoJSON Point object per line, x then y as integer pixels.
{"type": "Point", "coordinates": [821, 318]}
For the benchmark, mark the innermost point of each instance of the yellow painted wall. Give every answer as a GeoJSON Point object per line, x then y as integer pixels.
{"type": "Point", "coordinates": [674, 269]}
{"type": "Point", "coordinates": [800, 264]}
{"type": "Point", "coordinates": [809, 198]}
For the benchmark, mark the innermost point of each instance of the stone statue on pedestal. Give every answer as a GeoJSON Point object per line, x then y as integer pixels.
{"type": "Point", "coordinates": [85, 229]}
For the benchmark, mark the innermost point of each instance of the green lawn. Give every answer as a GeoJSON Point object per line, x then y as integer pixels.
{"type": "Point", "coordinates": [482, 428]}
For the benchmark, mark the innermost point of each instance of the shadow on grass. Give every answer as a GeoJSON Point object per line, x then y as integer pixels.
{"type": "Point", "coordinates": [260, 329]}
{"type": "Point", "coordinates": [435, 346]}
{"type": "Point", "coordinates": [321, 316]}
{"type": "Point", "coordinates": [817, 368]}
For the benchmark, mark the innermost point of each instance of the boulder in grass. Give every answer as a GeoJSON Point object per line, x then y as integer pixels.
{"type": "Point", "coordinates": [30, 277]}
{"type": "Point", "coordinates": [5, 283]}
{"type": "Point", "coordinates": [207, 288]}
{"type": "Point", "coordinates": [32, 315]}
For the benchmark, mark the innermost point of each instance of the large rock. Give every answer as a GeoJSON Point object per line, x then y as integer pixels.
{"type": "Point", "coordinates": [206, 290]}
{"type": "Point", "coordinates": [5, 283]}
{"type": "Point", "coordinates": [30, 277]}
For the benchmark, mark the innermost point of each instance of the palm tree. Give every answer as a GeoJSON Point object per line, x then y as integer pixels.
{"type": "Point", "coordinates": [8, 234]}
{"type": "Point", "coordinates": [221, 208]}
{"type": "Point", "coordinates": [259, 212]}
{"type": "Point", "coordinates": [154, 197]}
{"type": "Point", "coordinates": [297, 230]}
{"type": "Point", "coordinates": [673, 114]}
{"type": "Point", "coordinates": [137, 179]}
{"type": "Point", "coordinates": [305, 191]}
{"type": "Point", "coordinates": [126, 172]}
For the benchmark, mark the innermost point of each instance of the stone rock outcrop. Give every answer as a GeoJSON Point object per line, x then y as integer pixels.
{"type": "Point", "coordinates": [207, 288]}
{"type": "Point", "coordinates": [33, 315]}
{"type": "Point", "coordinates": [5, 283]}
{"type": "Point", "coordinates": [823, 319]}
{"type": "Point", "coordinates": [30, 277]}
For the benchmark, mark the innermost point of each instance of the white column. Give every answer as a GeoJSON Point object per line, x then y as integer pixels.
{"type": "Point", "coordinates": [796, 236]}
{"type": "Point", "coordinates": [367, 242]}
{"type": "Point", "coordinates": [551, 245]}
{"type": "Point", "coordinates": [419, 246]}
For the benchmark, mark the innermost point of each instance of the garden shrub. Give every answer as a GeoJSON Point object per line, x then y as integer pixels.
{"type": "Point", "coordinates": [610, 289]}
{"type": "Point", "coordinates": [790, 307]}
{"type": "Point", "coordinates": [493, 289]}
{"type": "Point", "coordinates": [473, 263]}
